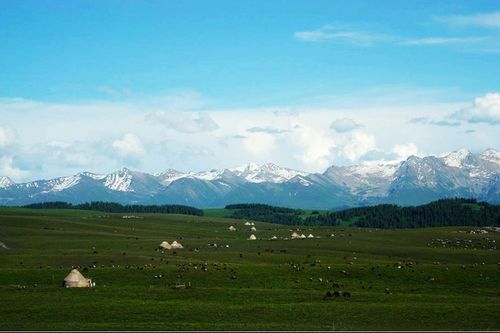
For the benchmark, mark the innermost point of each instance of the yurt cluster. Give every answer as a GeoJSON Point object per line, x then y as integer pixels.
{"type": "Point", "coordinates": [75, 279]}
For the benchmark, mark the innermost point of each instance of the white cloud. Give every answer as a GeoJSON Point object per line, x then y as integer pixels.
{"type": "Point", "coordinates": [483, 20]}
{"type": "Point", "coordinates": [333, 32]}
{"type": "Point", "coordinates": [403, 151]}
{"type": "Point", "coordinates": [428, 121]}
{"type": "Point", "coordinates": [7, 137]}
{"type": "Point", "coordinates": [129, 145]}
{"type": "Point", "coordinates": [343, 125]}
{"type": "Point", "coordinates": [442, 40]}
{"type": "Point", "coordinates": [267, 129]}
{"type": "Point", "coordinates": [259, 144]}
{"type": "Point", "coordinates": [186, 122]}
{"type": "Point", "coordinates": [66, 139]}
{"type": "Point", "coordinates": [7, 168]}
{"type": "Point", "coordinates": [313, 146]}
{"type": "Point", "coordinates": [358, 145]}
{"type": "Point", "coordinates": [485, 109]}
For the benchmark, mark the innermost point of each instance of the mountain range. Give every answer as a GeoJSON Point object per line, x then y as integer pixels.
{"type": "Point", "coordinates": [417, 180]}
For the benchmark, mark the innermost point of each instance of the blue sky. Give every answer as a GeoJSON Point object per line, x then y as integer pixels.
{"type": "Point", "coordinates": [168, 79]}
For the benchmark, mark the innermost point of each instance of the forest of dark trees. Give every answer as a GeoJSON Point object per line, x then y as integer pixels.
{"type": "Point", "coordinates": [441, 213]}
{"type": "Point", "coordinates": [113, 207]}
{"type": "Point", "coordinates": [266, 213]}
{"type": "Point", "coordinates": [446, 212]}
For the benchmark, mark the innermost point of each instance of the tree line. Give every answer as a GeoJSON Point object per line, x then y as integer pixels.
{"type": "Point", "coordinates": [113, 207]}
{"type": "Point", "coordinates": [266, 213]}
{"type": "Point", "coordinates": [440, 213]}
{"type": "Point", "coordinates": [278, 215]}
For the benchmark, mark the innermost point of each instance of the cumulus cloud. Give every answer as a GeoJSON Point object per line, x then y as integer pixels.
{"type": "Point", "coordinates": [9, 169]}
{"type": "Point", "coordinates": [130, 145]}
{"type": "Point", "coordinates": [485, 109]}
{"type": "Point", "coordinates": [359, 144]}
{"type": "Point", "coordinates": [186, 122]}
{"type": "Point", "coordinates": [259, 144]}
{"type": "Point", "coordinates": [403, 151]}
{"type": "Point", "coordinates": [343, 125]}
{"type": "Point", "coordinates": [313, 146]}
{"type": "Point", "coordinates": [67, 139]}
{"type": "Point", "coordinates": [7, 137]}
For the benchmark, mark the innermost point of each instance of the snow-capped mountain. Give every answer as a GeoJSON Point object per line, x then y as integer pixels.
{"type": "Point", "coordinates": [413, 181]}
{"type": "Point", "coordinates": [5, 182]}
{"type": "Point", "coordinates": [365, 180]}
{"type": "Point", "coordinates": [268, 172]}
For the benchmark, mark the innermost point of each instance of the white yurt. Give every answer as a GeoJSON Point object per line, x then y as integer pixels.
{"type": "Point", "coordinates": [165, 245]}
{"type": "Point", "coordinates": [75, 279]}
{"type": "Point", "coordinates": [176, 245]}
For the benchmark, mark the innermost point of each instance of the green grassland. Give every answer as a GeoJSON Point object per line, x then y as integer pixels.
{"type": "Point", "coordinates": [398, 279]}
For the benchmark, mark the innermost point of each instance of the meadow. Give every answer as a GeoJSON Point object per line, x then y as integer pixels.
{"type": "Point", "coordinates": [406, 279]}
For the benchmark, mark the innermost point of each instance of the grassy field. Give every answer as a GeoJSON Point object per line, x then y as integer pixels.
{"type": "Point", "coordinates": [398, 279]}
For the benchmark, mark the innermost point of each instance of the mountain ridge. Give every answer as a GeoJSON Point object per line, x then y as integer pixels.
{"type": "Point", "coordinates": [416, 180]}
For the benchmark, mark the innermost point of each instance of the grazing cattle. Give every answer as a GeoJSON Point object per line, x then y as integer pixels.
{"type": "Point", "coordinates": [346, 294]}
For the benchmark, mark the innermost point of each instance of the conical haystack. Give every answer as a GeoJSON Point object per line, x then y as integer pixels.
{"type": "Point", "coordinates": [232, 228]}
{"type": "Point", "coordinates": [310, 236]}
{"type": "Point", "coordinates": [253, 229]}
{"type": "Point", "coordinates": [247, 223]}
{"type": "Point", "coordinates": [295, 235]}
{"type": "Point", "coordinates": [252, 237]}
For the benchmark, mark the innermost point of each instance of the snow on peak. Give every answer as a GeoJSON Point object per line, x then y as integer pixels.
{"type": "Point", "coordinates": [456, 158]}
{"type": "Point", "coordinates": [268, 172]}
{"type": "Point", "coordinates": [169, 176]}
{"type": "Point", "coordinates": [246, 168]}
{"type": "Point", "coordinates": [207, 175]}
{"type": "Point", "coordinates": [376, 168]}
{"type": "Point", "coordinates": [64, 183]}
{"type": "Point", "coordinates": [491, 155]}
{"type": "Point", "coordinates": [119, 181]}
{"type": "Point", "coordinates": [5, 182]}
